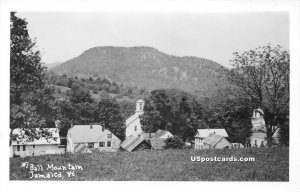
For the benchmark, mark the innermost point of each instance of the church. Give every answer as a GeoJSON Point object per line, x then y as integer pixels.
{"type": "Point", "coordinates": [258, 137]}
{"type": "Point", "coordinates": [133, 124]}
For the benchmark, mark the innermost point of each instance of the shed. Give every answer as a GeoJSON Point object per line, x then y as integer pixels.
{"type": "Point", "coordinates": [133, 142]}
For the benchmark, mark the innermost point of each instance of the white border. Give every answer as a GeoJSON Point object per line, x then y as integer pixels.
{"type": "Point", "coordinates": [292, 6]}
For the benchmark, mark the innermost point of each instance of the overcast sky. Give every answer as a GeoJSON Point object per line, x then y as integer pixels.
{"type": "Point", "coordinates": [62, 36]}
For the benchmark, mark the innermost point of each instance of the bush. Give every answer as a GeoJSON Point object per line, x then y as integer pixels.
{"type": "Point", "coordinates": [174, 143]}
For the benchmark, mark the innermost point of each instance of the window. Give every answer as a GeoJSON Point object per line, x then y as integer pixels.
{"type": "Point", "coordinates": [141, 106]}
{"type": "Point", "coordinates": [91, 145]}
{"type": "Point", "coordinates": [262, 144]}
{"type": "Point", "coordinates": [135, 128]}
{"type": "Point", "coordinates": [102, 144]}
{"type": "Point", "coordinates": [33, 146]}
{"type": "Point", "coordinates": [109, 136]}
{"type": "Point", "coordinates": [18, 147]}
{"type": "Point", "coordinates": [24, 147]}
{"type": "Point", "coordinates": [108, 144]}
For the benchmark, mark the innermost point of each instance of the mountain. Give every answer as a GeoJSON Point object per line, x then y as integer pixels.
{"type": "Point", "coordinates": [145, 67]}
{"type": "Point", "coordinates": [51, 65]}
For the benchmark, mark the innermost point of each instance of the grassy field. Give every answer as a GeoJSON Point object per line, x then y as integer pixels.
{"type": "Point", "coordinates": [271, 164]}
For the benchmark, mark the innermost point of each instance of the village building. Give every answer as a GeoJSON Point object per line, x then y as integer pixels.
{"type": "Point", "coordinates": [157, 139]}
{"type": "Point", "coordinates": [215, 141]}
{"type": "Point", "coordinates": [134, 143]}
{"type": "Point", "coordinates": [81, 137]}
{"type": "Point", "coordinates": [203, 133]}
{"type": "Point", "coordinates": [21, 147]}
{"type": "Point", "coordinates": [258, 137]}
{"type": "Point", "coordinates": [133, 124]}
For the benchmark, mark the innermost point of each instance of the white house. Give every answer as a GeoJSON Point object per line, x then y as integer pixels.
{"type": "Point", "coordinates": [133, 124]}
{"type": "Point", "coordinates": [258, 137]}
{"type": "Point", "coordinates": [84, 137]}
{"type": "Point", "coordinates": [20, 147]}
{"type": "Point", "coordinates": [203, 133]}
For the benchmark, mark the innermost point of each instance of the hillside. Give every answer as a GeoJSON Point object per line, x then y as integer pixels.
{"type": "Point", "coordinates": [51, 65]}
{"type": "Point", "coordinates": [145, 67]}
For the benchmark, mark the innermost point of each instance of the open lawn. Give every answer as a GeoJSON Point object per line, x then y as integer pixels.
{"type": "Point", "coordinates": [271, 164]}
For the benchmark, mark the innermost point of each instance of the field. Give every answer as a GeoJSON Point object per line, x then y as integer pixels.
{"type": "Point", "coordinates": [271, 164]}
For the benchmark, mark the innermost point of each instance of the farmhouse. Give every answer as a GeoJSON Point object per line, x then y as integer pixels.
{"type": "Point", "coordinates": [42, 146]}
{"type": "Point", "coordinates": [215, 141]}
{"type": "Point", "coordinates": [203, 133]}
{"type": "Point", "coordinates": [134, 143]}
{"type": "Point", "coordinates": [81, 137]}
{"type": "Point", "coordinates": [133, 124]}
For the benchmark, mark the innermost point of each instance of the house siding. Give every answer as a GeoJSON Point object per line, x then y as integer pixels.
{"type": "Point", "coordinates": [130, 130]}
{"type": "Point", "coordinates": [115, 144]}
{"type": "Point", "coordinates": [38, 150]}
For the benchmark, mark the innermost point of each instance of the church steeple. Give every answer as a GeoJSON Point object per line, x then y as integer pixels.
{"type": "Point", "coordinates": [140, 106]}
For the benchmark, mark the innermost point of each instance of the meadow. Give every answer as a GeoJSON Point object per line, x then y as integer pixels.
{"type": "Point", "coordinates": [271, 164]}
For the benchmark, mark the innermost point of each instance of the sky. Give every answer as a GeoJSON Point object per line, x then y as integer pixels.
{"type": "Point", "coordinates": [62, 36]}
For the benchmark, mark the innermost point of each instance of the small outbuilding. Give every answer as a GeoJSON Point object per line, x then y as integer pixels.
{"type": "Point", "coordinates": [134, 143]}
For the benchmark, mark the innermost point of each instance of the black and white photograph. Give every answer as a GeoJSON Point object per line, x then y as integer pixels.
{"type": "Point", "coordinates": [139, 95]}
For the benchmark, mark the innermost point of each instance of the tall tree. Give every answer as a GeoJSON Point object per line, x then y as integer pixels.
{"type": "Point", "coordinates": [26, 71]}
{"type": "Point", "coordinates": [109, 115]}
{"type": "Point", "coordinates": [262, 77]}
{"type": "Point", "coordinates": [28, 95]}
{"type": "Point", "coordinates": [172, 110]}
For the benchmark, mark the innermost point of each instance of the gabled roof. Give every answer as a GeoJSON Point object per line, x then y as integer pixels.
{"type": "Point", "coordinates": [160, 133]}
{"type": "Point", "coordinates": [140, 101]}
{"type": "Point", "coordinates": [212, 139]}
{"type": "Point", "coordinates": [22, 139]}
{"type": "Point", "coordinates": [85, 134]}
{"type": "Point", "coordinates": [132, 118]}
{"type": "Point", "coordinates": [131, 142]}
{"type": "Point", "coordinates": [206, 132]}
{"type": "Point", "coordinates": [157, 143]}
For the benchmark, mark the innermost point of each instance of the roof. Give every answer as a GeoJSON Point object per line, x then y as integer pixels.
{"type": "Point", "coordinates": [206, 132]}
{"type": "Point", "coordinates": [131, 142]}
{"type": "Point", "coordinates": [259, 135]}
{"type": "Point", "coordinates": [212, 139]}
{"type": "Point", "coordinates": [85, 134]}
{"type": "Point", "coordinates": [132, 118]}
{"type": "Point", "coordinates": [21, 139]}
{"type": "Point", "coordinates": [160, 133]}
{"type": "Point", "coordinates": [157, 143]}
{"type": "Point", "coordinates": [140, 101]}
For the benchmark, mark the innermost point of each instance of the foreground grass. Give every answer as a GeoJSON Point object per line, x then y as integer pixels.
{"type": "Point", "coordinates": [271, 164]}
